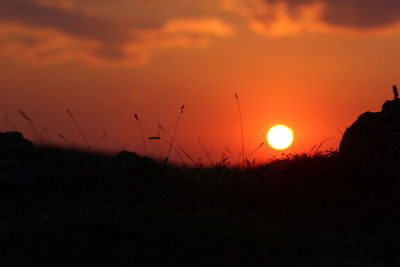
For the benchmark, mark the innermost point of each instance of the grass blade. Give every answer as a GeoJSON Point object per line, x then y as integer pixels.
{"type": "Point", "coordinates": [171, 145]}
{"type": "Point", "coordinates": [205, 151]}
{"type": "Point", "coordinates": [255, 150]}
{"type": "Point", "coordinates": [160, 127]}
{"type": "Point", "coordinates": [36, 134]}
{"type": "Point", "coordinates": [241, 124]}
{"type": "Point", "coordinates": [174, 132]}
{"type": "Point", "coordinates": [79, 129]}
{"type": "Point", "coordinates": [141, 132]}
{"type": "Point", "coordinates": [65, 140]}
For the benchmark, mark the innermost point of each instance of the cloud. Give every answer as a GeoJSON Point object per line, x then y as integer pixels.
{"type": "Point", "coordinates": [94, 30]}
{"type": "Point", "coordinates": [276, 18]}
{"type": "Point", "coordinates": [362, 14]}
{"type": "Point", "coordinates": [42, 31]}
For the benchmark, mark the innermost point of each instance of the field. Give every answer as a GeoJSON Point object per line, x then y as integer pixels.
{"type": "Point", "coordinates": [72, 208]}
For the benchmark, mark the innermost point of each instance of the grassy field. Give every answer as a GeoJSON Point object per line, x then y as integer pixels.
{"type": "Point", "coordinates": [70, 208]}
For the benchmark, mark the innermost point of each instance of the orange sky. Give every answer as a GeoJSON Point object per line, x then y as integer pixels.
{"type": "Point", "coordinates": [313, 65]}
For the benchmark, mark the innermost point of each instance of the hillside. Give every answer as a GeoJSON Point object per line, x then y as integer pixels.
{"type": "Point", "coordinates": [72, 208]}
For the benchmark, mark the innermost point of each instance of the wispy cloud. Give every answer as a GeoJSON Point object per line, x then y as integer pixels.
{"type": "Point", "coordinates": [50, 31]}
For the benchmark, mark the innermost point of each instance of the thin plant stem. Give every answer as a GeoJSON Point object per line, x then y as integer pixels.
{"type": "Point", "coordinates": [241, 124]}
{"type": "Point", "coordinates": [32, 125]}
{"type": "Point", "coordinates": [205, 151]}
{"type": "Point", "coordinates": [141, 132]}
{"type": "Point", "coordinates": [176, 143]}
{"type": "Point", "coordinates": [65, 140]}
{"type": "Point", "coordinates": [255, 150]}
{"type": "Point", "coordinates": [159, 144]}
{"type": "Point", "coordinates": [174, 132]}
{"type": "Point", "coordinates": [101, 139]}
{"type": "Point", "coordinates": [169, 143]}
{"type": "Point", "coordinates": [322, 143]}
{"type": "Point", "coordinates": [79, 129]}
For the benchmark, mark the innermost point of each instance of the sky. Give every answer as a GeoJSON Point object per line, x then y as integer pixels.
{"type": "Point", "coordinates": [313, 65]}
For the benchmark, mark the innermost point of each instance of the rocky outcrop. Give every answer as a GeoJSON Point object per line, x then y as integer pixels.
{"type": "Point", "coordinates": [372, 142]}
{"type": "Point", "coordinates": [14, 146]}
{"type": "Point", "coordinates": [16, 167]}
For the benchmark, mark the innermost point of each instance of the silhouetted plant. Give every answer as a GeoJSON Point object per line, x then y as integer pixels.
{"type": "Point", "coordinates": [395, 92]}
{"type": "Point", "coordinates": [101, 139]}
{"type": "Point", "coordinates": [141, 132]}
{"type": "Point", "coordinates": [32, 125]}
{"type": "Point", "coordinates": [160, 127]}
{"type": "Point", "coordinates": [79, 129]}
{"type": "Point", "coordinates": [232, 155]}
{"type": "Point", "coordinates": [241, 124]}
{"type": "Point", "coordinates": [170, 144]}
{"type": "Point", "coordinates": [174, 132]}
{"type": "Point", "coordinates": [255, 150]}
{"type": "Point", "coordinates": [317, 148]}
{"type": "Point", "coordinates": [65, 139]}
{"type": "Point", "coordinates": [206, 152]}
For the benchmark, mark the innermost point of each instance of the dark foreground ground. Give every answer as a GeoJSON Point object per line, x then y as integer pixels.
{"type": "Point", "coordinates": [68, 208]}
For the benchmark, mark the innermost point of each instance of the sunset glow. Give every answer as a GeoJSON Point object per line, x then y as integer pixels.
{"type": "Point", "coordinates": [313, 64]}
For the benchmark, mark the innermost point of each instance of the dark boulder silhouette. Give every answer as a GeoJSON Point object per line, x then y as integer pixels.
{"type": "Point", "coordinates": [372, 142]}
{"type": "Point", "coordinates": [13, 145]}
{"type": "Point", "coordinates": [16, 152]}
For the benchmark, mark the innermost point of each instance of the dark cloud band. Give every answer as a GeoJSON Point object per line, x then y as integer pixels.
{"type": "Point", "coordinates": [361, 14]}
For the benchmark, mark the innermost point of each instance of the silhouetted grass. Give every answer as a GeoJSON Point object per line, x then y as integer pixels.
{"type": "Point", "coordinates": [174, 132]}
{"type": "Point", "coordinates": [141, 132]}
{"type": "Point", "coordinates": [79, 129]}
{"type": "Point", "coordinates": [102, 137]}
{"type": "Point", "coordinates": [169, 143]}
{"type": "Point", "coordinates": [255, 150]}
{"type": "Point", "coordinates": [65, 140]}
{"type": "Point", "coordinates": [160, 127]}
{"type": "Point", "coordinates": [36, 135]}
{"type": "Point", "coordinates": [241, 124]}
{"type": "Point", "coordinates": [206, 152]}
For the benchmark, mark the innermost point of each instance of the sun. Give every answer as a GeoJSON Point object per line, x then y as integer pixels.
{"type": "Point", "coordinates": [280, 137]}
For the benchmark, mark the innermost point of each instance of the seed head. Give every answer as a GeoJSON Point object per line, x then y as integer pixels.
{"type": "Point", "coordinates": [24, 115]}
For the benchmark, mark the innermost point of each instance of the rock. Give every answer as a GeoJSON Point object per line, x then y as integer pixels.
{"type": "Point", "coordinates": [14, 146]}
{"type": "Point", "coordinates": [372, 142]}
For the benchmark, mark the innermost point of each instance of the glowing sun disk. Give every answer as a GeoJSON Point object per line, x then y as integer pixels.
{"type": "Point", "coordinates": [280, 137]}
